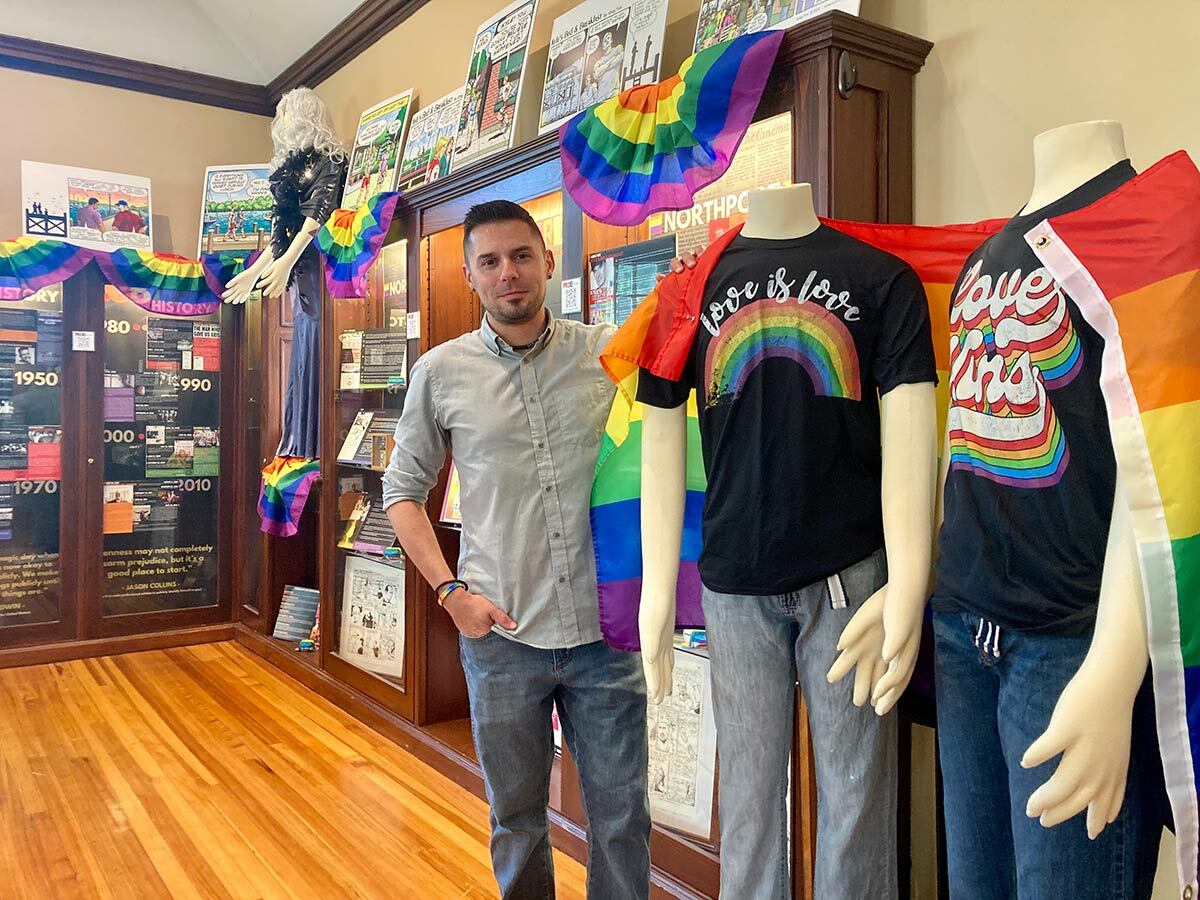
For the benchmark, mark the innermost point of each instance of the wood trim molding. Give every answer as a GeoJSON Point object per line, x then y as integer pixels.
{"type": "Point", "coordinates": [111, 646]}
{"type": "Point", "coordinates": [846, 32]}
{"type": "Point", "coordinates": [132, 75]}
{"type": "Point", "coordinates": [368, 23]}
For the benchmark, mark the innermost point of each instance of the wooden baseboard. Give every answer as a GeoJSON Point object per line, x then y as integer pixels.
{"type": "Point", "coordinates": [111, 646]}
{"type": "Point", "coordinates": [565, 834]}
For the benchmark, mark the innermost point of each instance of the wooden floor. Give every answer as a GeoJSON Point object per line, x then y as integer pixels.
{"type": "Point", "coordinates": [204, 772]}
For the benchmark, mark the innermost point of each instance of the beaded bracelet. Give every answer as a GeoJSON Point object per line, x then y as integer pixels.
{"type": "Point", "coordinates": [446, 588]}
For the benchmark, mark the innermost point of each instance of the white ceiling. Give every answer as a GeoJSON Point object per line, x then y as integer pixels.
{"type": "Point", "coordinates": [246, 40]}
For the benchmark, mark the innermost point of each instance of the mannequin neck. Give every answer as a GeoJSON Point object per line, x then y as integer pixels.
{"type": "Point", "coordinates": [780, 214]}
{"type": "Point", "coordinates": [1064, 158]}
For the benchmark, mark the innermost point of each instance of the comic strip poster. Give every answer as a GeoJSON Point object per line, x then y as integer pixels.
{"type": "Point", "coordinates": [376, 154]}
{"type": "Point", "coordinates": [683, 749]}
{"type": "Point", "coordinates": [430, 146]}
{"type": "Point", "coordinates": [87, 207]}
{"type": "Point", "coordinates": [724, 20]}
{"type": "Point", "coordinates": [490, 96]}
{"type": "Point", "coordinates": [235, 208]}
{"type": "Point", "coordinates": [372, 620]}
{"type": "Point", "coordinates": [597, 50]}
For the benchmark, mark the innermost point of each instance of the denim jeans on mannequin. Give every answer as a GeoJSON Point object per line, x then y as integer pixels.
{"type": "Point", "coordinates": [601, 697]}
{"type": "Point", "coordinates": [760, 647]}
{"type": "Point", "coordinates": [996, 691]}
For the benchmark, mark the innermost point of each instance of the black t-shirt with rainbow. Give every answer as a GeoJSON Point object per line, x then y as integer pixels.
{"type": "Point", "coordinates": [1029, 492]}
{"type": "Point", "coordinates": [795, 342]}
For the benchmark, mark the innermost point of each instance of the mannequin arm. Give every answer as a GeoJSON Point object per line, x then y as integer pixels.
{"type": "Point", "coordinates": [1092, 721]}
{"type": "Point", "coordinates": [883, 637]}
{"type": "Point", "coordinates": [275, 277]}
{"type": "Point", "coordinates": [241, 285]}
{"type": "Point", "coordinates": [664, 492]}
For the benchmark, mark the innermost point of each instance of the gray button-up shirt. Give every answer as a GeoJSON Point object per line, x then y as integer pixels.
{"type": "Point", "coordinates": [524, 431]}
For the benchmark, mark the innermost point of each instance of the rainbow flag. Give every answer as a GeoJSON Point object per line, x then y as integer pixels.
{"type": "Point", "coordinates": [286, 481]}
{"type": "Point", "coordinates": [1131, 262]}
{"type": "Point", "coordinates": [162, 283]}
{"type": "Point", "coordinates": [223, 265]}
{"type": "Point", "coordinates": [350, 242]}
{"type": "Point", "coordinates": [654, 146]}
{"type": "Point", "coordinates": [29, 264]}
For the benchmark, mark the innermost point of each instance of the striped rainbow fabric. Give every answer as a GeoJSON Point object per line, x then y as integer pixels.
{"type": "Point", "coordinates": [29, 264]}
{"type": "Point", "coordinates": [1131, 262]}
{"type": "Point", "coordinates": [286, 482]}
{"type": "Point", "coordinates": [350, 241]}
{"type": "Point", "coordinates": [162, 283]}
{"type": "Point", "coordinates": [652, 147]}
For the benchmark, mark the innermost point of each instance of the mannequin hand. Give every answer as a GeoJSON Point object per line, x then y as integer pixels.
{"type": "Point", "coordinates": [275, 276]}
{"type": "Point", "coordinates": [685, 260]}
{"type": "Point", "coordinates": [240, 286]}
{"type": "Point", "coordinates": [474, 614]}
{"type": "Point", "coordinates": [658, 649]}
{"type": "Point", "coordinates": [902, 619]}
{"type": "Point", "coordinates": [1091, 728]}
{"type": "Point", "coordinates": [861, 646]}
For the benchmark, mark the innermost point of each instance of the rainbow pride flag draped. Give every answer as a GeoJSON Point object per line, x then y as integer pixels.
{"type": "Point", "coordinates": [350, 241]}
{"type": "Point", "coordinates": [161, 283]}
{"type": "Point", "coordinates": [29, 264]}
{"type": "Point", "coordinates": [286, 481]}
{"type": "Point", "coordinates": [1131, 262]}
{"type": "Point", "coordinates": [653, 147]}
{"type": "Point", "coordinates": [167, 284]}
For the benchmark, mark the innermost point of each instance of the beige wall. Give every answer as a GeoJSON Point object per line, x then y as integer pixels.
{"type": "Point", "coordinates": [55, 120]}
{"type": "Point", "coordinates": [1002, 72]}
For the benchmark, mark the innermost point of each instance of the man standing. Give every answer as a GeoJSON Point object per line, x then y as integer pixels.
{"type": "Point", "coordinates": [520, 403]}
{"type": "Point", "coordinates": [128, 220]}
{"type": "Point", "coordinates": [89, 216]}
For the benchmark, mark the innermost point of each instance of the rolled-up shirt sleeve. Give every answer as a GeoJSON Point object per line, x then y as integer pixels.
{"type": "Point", "coordinates": [421, 443]}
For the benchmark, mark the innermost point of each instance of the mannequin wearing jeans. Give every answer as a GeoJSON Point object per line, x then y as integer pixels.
{"type": "Point", "coordinates": [1012, 699]}
{"type": "Point", "coordinates": [761, 645]}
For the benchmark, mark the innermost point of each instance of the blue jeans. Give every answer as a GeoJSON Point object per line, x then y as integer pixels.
{"type": "Point", "coordinates": [993, 701]}
{"type": "Point", "coordinates": [760, 647]}
{"type": "Point", "coordinates": [601, 697]}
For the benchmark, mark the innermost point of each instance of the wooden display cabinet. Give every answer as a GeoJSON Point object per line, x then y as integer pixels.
{"type": "Point", "coordinates": [847, 85]}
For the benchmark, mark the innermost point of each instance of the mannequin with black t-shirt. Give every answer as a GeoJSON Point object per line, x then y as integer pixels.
{"type": "Point", "coordinates": [809, 477]}
{"type": "Point", "coordinates": [1040, 642]}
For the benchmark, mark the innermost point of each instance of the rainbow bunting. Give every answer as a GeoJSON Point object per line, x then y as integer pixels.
{"type": "Point", "coordinates": [162, 283]}
{"type": "Point", "coordinates": [1131, 262]}
{"type": "Point", "coordinates": [286, 481]}
{"type": "Point", "coordinates": [223, 265]}
{"type": "Point", "coordinates": [29, 264]}
{"type": "Point", "coordinates": [350, 241]}
{"type": "Point", "coordinates": [653, 147]}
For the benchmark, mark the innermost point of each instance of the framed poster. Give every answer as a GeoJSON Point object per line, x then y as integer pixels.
{"type": "Point", "coordinates": [87, 207]}
{"type": "Point", "coordinates": [375, 156]}
{"type": "Point", "coordinates": [724, 20]}
{"type": "Point", "coordinates": [235, 207]}
{"type": "Point", "coordinates": [597, 50]}
{"type": "Point", "coordinates": [764, 160]}
{"type": "Point", "coordinates": [451, 503]}
{"type": "Point", "coordinates": [488, 117]}
{"type": "Point", "coordinates": [430, 145]}
{"type": "Point", "coordinates": [372, 620]}
{"type": "Point", "coordinates": [683, 749]}
{"type": "Point", "coordinates": [619, 279]}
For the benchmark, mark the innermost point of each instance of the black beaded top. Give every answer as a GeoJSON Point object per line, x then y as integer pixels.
{"type": "Point", "coordinates": [308, 184]}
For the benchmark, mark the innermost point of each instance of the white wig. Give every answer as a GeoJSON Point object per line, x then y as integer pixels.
{"type": "Point", "coordinates": [301, 121]}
